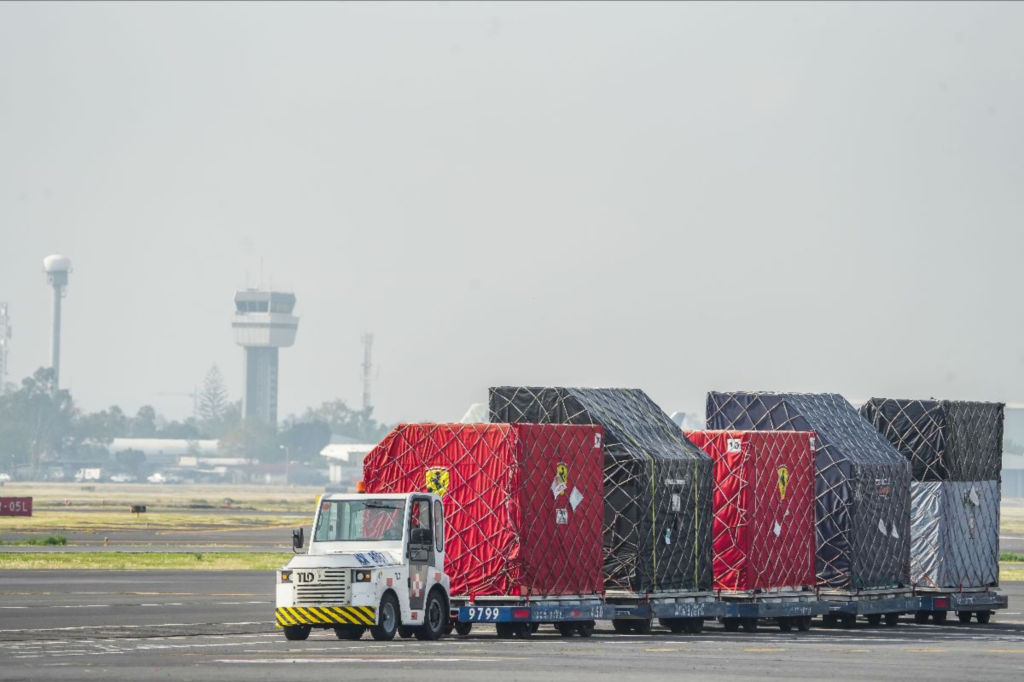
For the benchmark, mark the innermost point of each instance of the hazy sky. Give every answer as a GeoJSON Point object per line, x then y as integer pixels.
{"type": "Point", "coordinates": [675, 197]}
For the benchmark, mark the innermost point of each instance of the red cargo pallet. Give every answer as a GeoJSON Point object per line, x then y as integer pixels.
{"type": "Point", "coordinates": [763, 528]}
{"type": "Point", "coordinates": [524, 502]}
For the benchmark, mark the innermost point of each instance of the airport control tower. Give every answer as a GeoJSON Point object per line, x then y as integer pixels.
{"type": "Point", "coordinates": [263, 323]}
{"type": "Point", "coordinates": [57, 268]}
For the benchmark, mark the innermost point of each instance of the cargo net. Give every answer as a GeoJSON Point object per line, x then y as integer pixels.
{"type": "Point", "coordinates": [494, 531]}
{"type": "Point", "coordinates": [944, 440]}
{"type": "Point", "coordinates": [763, 530]}
{"type": "Point", "coordinates": [862, 495]}
{"type": "Point", "coordinates": [657, 485]}
{"type": "Point", "coordinates": [955, 534]}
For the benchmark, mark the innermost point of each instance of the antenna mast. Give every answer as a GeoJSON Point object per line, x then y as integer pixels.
{"type": "Point", "coordinates": [367, 364]}
{"type": "Point", "coordinates": [5, 338]}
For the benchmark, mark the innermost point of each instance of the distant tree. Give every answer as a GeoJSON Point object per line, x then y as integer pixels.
{"type": "Point", "coordinates": [144, 423]}
{"type": "Point", "coordinates": [305, 440]}
{"type": "Point", "coordinates": [213, 399]}
{"type": "Point", "coordinates": [35, 421]}
{"type": "Point", "coordinates": [187, 429]}
{"type": "Point", "coordinates": [253, 440]}
{"type": "Point", "coordinates": [101, 427]}
{"type": "Point", "coordinates": [131, 460]}
{"type": "Point", "coordinates": [345, 421]}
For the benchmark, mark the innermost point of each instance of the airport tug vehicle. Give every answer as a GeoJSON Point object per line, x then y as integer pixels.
{"type": "Point", "coordinates": [374, 562]}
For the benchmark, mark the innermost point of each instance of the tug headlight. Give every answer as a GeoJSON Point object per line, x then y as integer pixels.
{"type": "Point", "coordinates": [361, 576]}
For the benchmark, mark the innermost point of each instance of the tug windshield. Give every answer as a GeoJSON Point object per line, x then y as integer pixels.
{"type": "Point", "coordinates": [359, 520]}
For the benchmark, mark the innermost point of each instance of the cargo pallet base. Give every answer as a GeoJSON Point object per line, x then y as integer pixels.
{"type": "Point", "coordinates": [980, 602]}
{"type": "Point", "coordinates": [677, 611]}
{"type": "Point", "coordinates": [875, 605]}
{"type": "Point", "coordinates": [787, 609]}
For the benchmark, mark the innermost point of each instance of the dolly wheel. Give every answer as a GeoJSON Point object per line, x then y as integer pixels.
{"type": "Point", "coordinates": [803, 623]}
{"type": "Point", "coordinates": [848, 620]}
{"type": "Point", "coordinates": [749, 624]}
{"type": "Point", "coordinates": [622, 625]}
{"type": "Point", "coordinates": [921, 617]}
{"type": "Point", "coordinates": [983, 616]}
{"type": "Point", "coordinates": [731, 624]}
{"type": "Point", "coordinates": [785, 624]}
{"type": "Point", "coordinates": [939, 617]}
{"type": "Point", "coordinates": [586, 628]}
{"type": "Point", "coordinates": [963, 616]}
{"type": "Point", "coordinates": [892, 619]}
{"type": "Point", "coordinates": [874, 619]}
{"type": "Point", "coordinates": [674, 625]}
{"type": "Point", "coordinates": [505, 630]}
{"type": "Point", "coordinates": [463, 628]}
{"type": "Point", "coordinates": [565, 629]}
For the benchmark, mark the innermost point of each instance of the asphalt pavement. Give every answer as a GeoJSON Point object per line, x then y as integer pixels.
{"type": "Point", "coordinates": [188, 625]}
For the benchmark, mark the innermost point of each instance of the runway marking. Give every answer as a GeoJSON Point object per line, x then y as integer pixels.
{"type": "Point", "coordinates": [671, 649]}
{"type": "Point", "coordinates": [1005, 651]}
{"type": "Point", "coordinates": [763, 649]}
{"type": "Point", "coordinates": [151, 625]}
{"type": "Point", "coordinates": [926, 651]}
{"type": "Point", "coordinates": [432, 659]}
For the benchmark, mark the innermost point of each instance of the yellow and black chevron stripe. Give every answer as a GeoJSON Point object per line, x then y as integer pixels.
{"type": "Point", "coordinates": [325, 615]}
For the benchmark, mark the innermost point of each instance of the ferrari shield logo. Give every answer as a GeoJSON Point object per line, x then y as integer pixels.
{"type": "Point", "coordinates": [437, 481]}
{"type": "Point", "coordinates": [783, 481]}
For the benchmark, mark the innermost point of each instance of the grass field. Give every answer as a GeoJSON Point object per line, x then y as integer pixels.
{"type": "Point", "coordinates": [62, 521]}
{"type": "Point", "coordinates": [1011, 519]}
{"type": "Point", "coordinates": [93, 495]}
{"type": "Point", "coordinates": [136, 561]}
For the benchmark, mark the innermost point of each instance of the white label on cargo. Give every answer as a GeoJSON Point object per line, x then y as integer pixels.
{"type": "Point", "coordinates": [777, 529]}
{"type": "Point", "coordinates": [733, 445]}
{"type": "Point", "coordinates": [974, 497]}
{"type": "Point", "coordinates": [557, 486]}
{"type": "Point", "coordinates": [812, 443]}
{"type": "Point", "coordinates": [597, 440]}
{"type": "Point", "coordinates": [881, 527]}
{"type": "Point", "coordinates": [561, 516]}
{"type": "Point", "coordinates": [575, 497]}
{"type": "Point", "coordinates": [894, 533]}
{"type": "Point", "coordinates": [677, 502]}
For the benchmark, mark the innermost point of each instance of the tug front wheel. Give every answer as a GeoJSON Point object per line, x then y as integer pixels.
{"type": "Point", "coordinates": [435, 617]}
{"type": "Point", "coordinates": [296, 632]}
{"type": "Point", "coordinates": [388, 619]}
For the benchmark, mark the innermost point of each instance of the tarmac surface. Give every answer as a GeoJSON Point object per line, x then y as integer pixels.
{"type": "Point", "coordinates": [190, 625]}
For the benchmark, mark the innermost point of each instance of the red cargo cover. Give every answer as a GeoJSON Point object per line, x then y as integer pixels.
{"type": "Point", "coordinates": [524, 502]}
{"type": "Point", "coordinates": [763, 528]}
